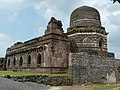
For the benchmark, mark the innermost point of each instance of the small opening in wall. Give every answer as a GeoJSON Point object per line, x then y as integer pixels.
{"type": "Point", "coordinates": [101, 45]}
{"type": "Point", "coordinates": [8, 62]}
{"type": "Point", "coordinates": [21, 61]}
{"type": "Point", "coordinates": [39, 59]}
{"type": "Point", "coordinates": [29, 59]}
{"type": "Point", "coordinates": [14, 61]}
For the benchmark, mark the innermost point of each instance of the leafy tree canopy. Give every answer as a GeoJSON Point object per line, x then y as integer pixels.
{"type": "Point", "coordinates": [118, 68]}
{"type": "Point", "coordinates": [116, 1]}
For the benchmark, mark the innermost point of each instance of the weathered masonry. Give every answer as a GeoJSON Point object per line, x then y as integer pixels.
{"type": "Point", "coordinates": [86, 30]}
{"type": "Point", "coordinates": [2, 63]}
{"type": "Point", "coordinates": [82, 51]}
{"type": "Point", "coordinates": [90, 61]}
{"type": "Point", "coordinates": [48, 53]}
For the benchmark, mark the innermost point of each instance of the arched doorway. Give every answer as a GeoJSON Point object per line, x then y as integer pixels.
{"type": "Point", "coordinates": [39, 60]}
{"type": "Point", "coordinates": [101, 44]}
{"type": "Point", "coordinates": [14, 62]}
{"type": "Point", "coordinates": [8, 62]}
{"type": "Point", "coordinates": [29, 61]}
{"type": "Point", "coordinates": [21, 61]}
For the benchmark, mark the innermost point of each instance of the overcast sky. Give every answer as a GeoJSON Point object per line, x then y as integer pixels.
{"type": "Point", "coordinates": [21, 20]}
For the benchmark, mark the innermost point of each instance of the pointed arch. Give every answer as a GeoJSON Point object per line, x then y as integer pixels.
{"type": "Point", "coordinates": [8, 62]}
{"type": "Point", "coordinates": [39, 58]}
{"type": "Point", "coordinates": [21, 61]}
{"type": "Point", "coordinates": [86, 40]}
{"type": "Point", "coordinates": [14, 61]}
{"type": "Point", "coordinates": [101, 43]}
{"type": "Point", "coordinates": [29, 60]}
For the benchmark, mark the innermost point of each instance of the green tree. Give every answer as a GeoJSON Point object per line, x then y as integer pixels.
{"type": "Point", "coordinates": [118, 68]}
{"type": "Point", "coordinates": [116, 1]}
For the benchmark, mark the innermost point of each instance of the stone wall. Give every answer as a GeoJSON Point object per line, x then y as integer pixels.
{"type": "Point", "coordinates": [2, 64]}
{"type": "Point", "coordinates": [43, 79]}
{"type": "Point", "coordinates": [48, 52]}
{"type": "Point", "coordinates": [117, 63]}
{"type": "Point", "coordinates": [89, 39]}
{"type": "Point", "coordinates": [93, 67]}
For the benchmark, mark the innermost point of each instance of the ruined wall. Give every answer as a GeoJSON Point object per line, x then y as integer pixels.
{"type": "Point", "coordinates": [93, 67]}
{"type": "Point", "coordinates": [49, 51]}
{"type": "Point", "coordinates": [2, 64]}
{"type": "Point", "coordinates": [53, 50]}
{"type": "Point", "coordinates": [117, 63]}
{"type": "Point", "coordinates": [89, 38]}
{"type": "Point", "coordinates": [43, 79]}
{"type": "Point", "coordinates": [24, 55]}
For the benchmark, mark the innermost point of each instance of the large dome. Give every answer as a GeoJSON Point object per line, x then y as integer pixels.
{"type": "Point", "coordinates": [85, 16]}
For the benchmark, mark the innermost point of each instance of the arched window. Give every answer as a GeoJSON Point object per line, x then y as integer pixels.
{"type": "Point", "coordinates": [29, 59]}
{"type": "Point", "coordinates": [86, 42]}
{"type": "Point", "coordinates": [21, 61]}
{"type": "Point", "coordinates": [101, 44]}
{"type": "Point", "coordinates": [14, 61]}
{"type": "Point", "coordinates": [39, 59]}
{"type": "Point", "coordinates": [8, 62]}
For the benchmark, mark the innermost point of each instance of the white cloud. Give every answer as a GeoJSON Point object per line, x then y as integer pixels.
{"type": "Point", "coordinates": [61, 9]}
{"type": "Point", "coordinates": [116, 50]}
{"type": "Point", "coordinates": [40, 31]}
{"type": "Point", "coordinates": [114, 18]}
{"type": "Point", "coordinates": [40, 7]}
{"type": "Point", "coordinates": [14, 5]}
{"type": "Point", "coordinates": [48, 14]}
{"type": "Point", "coordinates": [4, 37]}
{"type": "Point", "coordinates": [111, 23]}
{"type": "Point", "coordinates": [5, 41]}
{"type": "Point", "coordinates": [12, 17]}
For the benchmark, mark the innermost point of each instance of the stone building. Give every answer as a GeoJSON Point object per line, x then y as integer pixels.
{"type": "Point", "coordinates": [86, 30]}
{"type": "Point", "coordinates": [82, 50]}
{"type": "Point", "coordinates": [90, 62]}
{"type": "Point", "coordinates": [48, 53]}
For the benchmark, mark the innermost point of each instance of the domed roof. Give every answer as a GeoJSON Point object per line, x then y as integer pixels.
{"type": "Point", "coordinates": [85, 16]}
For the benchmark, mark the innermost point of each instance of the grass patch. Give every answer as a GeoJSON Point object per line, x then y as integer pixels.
{"type": "Point", "coordinates": [92, 87]}
{"type": "Point", "coordinates": [64, 74]}
{"type": "Point", "coordinates": [104, 86]}
{"type": "Point", "coordinates": [25, 73]}
{"type": "Point", "coordinates": [18, 73]}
